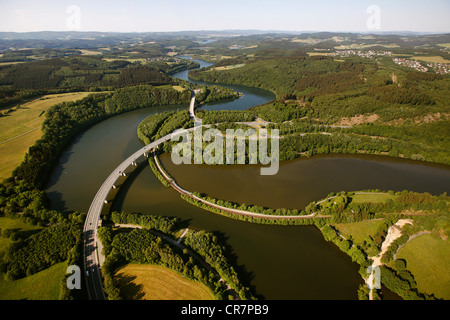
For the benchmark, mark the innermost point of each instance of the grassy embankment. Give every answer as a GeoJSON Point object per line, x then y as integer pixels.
{"type": "Point", "coordinates": [23, 230]}
{"type": "Point", "coordinates": [44, 285]}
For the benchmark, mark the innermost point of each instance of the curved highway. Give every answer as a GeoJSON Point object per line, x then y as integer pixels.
{"type": "Point", "coordinates": [92, 252]}
{"type": "Point", "coordinates": [175, 186]}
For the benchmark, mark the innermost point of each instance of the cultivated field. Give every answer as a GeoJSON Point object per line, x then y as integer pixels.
{"type": "Point", "coordinates": [85, 52]}
{"type": "Point", "coordinates": [313, 54]}
{"type": "Point", "coordinates": [428, 258]}
{"type": "Point", "coordinates": [151, 282]}
{"type": "Point", "coordinates": [356, 46]}
{"type": "Point", "coordinates": [434, 59]}
{"type": "Point", "coordinates": [20, 128]}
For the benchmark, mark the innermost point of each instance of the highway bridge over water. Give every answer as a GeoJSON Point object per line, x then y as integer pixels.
{"type": "Point", "coordinates": [92, 246]}
{"type": "Point", "coordinates": [92, 255]}
{"type": "Point", "coordinates": [104, 195]}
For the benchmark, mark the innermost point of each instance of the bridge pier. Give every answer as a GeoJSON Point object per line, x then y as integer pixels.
{"type": "Point", "coordinates": [105, 198]}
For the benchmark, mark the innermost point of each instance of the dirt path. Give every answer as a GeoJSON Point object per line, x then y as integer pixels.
{"type": "Point", "coordinates": [20, 135]}
{"type": "Point", "coordinates": [394, 232]}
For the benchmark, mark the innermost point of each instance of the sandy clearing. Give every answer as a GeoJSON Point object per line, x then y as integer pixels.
{"type": "Point", "coordinates": [359, 119]}
{"type": "Point", "coordinates": [394, 232]}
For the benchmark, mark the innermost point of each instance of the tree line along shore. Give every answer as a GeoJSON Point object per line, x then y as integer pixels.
{"type": "Point", "coordinates": [407, 125]}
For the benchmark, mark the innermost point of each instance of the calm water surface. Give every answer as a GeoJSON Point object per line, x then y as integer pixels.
{"type": "Point", "coordinates": [279, 262]}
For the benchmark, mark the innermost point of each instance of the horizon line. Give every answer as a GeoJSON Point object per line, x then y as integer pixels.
{"type": "Point", "coordinates": [238, 30]}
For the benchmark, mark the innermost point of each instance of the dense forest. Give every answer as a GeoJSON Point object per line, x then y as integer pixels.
{"type": "Point", "coordinates": [144, 246]}
{"type": "Point", "coordinates": [394, 272]}
{"type": "Point", "coordinates": [307, 78]}
{"type": "Point", "coordinates": [87, 71]}
{"type": "Point", "coordinates": [41, 250]}
{"type": "Point", "coordinates": [64, 121]}
{"type": "Point", "coordinates": [19, 82]}
{"type": "Point", "coordinates": [359, 101]}
{"type": "Point", "coordinates": [314, 95]}
{"type": "Point", "coordinates": [303, 137]}
{"type": "Point", "coordinates": [141, 246]}
{"type": "Point", "coordinates": [21, 196]}
{"type": "Point", "coordinates": [75, 71]}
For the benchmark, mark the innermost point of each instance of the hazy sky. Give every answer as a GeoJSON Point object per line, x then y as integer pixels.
{"type": "Point", "coordinates": [178, 15]}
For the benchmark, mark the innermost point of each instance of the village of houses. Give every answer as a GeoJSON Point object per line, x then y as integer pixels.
{"type": "Point", "coordinates": [442, 68]}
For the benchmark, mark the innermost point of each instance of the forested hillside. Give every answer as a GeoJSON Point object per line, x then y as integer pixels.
{"type": "Point", "coordinates": [81, 73]}
{"type": "Point", "coordinates": [325, 103]}
{"type": "Point", "coordinates": [370, 105]}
